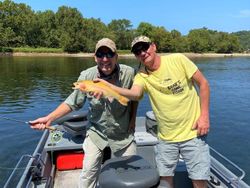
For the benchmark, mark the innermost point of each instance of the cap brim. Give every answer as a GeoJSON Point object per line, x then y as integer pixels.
{"type": "Point", "coordinates": [137, 44]}
{"type": "Point", "coordinates": [113, 50]}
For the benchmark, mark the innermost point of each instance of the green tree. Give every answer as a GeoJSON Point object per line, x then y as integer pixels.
{"type": "Point", "coordinates": [145, 28]}
{"type": "Point", "coordinates": [94, 30]}
{"type": "Point", "coordinates": [122, 30]}
{"type": "Point", "coordinates": [69, 24]}
{"type": "Point", "coordinates": [17, 17]}
{"type": "Point", "coordinates": [199, 40]}
{"type": "Point", "coordinates": [159, 35]}
{"type": "Point", "coordinates": [179, 43]}
{"type": "Point", "coordinates": [49, 35]}
{"type": "Point", "coordinates": [226, 43]}
{"type": "Point", "coordinates": [7, 36]}
{"type": "Point", "coordinates": [244, 39]}
{"type": "Point", "coordinates": [162, 38]}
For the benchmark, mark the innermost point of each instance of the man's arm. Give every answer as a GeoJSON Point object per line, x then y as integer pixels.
{"type": "Point", "coordinates": [202, 125]}
{"type": "Point", "coordinates": [43, 122]}
{"type": "Point", "coordinates": [134, 93]}
{"type": "Point", "coordinates": [134, 105]}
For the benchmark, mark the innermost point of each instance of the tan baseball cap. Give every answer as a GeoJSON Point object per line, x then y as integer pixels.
{"type": "Point", "coordinates": [106, 42]}
{"type": "Point", "coordinates": [139, 39]}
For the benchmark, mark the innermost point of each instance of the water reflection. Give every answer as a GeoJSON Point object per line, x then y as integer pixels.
{"type": "Point", "coordinates": [25, 80]}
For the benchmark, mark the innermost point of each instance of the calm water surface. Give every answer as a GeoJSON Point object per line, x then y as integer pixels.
{"type": "Point", "coordinates": [31, 87]}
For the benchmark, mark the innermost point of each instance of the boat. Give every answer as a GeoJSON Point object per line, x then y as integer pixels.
{"type": "Point", "coordinates": [57, 161]}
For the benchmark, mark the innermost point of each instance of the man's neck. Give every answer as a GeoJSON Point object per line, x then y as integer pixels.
{"type": "Point", "coordinates": [156, 64]}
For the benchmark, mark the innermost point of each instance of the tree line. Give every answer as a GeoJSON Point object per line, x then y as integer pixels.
{"type": "Point", "coordinates": [67, 29]}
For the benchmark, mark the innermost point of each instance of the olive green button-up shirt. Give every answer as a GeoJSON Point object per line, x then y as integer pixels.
{"type": "Point", "coordinates": [108, 120]}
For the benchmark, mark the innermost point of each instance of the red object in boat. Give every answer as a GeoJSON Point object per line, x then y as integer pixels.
{"type": "Point", "coordinates": [69, 161]}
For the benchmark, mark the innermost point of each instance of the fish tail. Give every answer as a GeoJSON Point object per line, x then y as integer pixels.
{"type": "Point", "coordinates": [123, 100]}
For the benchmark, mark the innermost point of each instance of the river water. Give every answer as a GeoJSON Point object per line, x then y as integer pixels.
{"type": "Point", "coordinates": [31, 87]}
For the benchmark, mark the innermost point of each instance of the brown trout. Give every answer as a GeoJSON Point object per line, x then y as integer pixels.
{"type": "Point", "coordinates": [108, 92]}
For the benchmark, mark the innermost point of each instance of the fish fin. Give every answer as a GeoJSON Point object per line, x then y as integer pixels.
{"type": "Point", "coordinates": [123, 100]}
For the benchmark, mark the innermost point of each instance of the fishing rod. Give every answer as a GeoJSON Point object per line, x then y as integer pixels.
{"type": "Point", "coordinates": [25, 122]}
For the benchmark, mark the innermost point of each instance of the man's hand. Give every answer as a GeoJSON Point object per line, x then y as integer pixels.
{"type": "Point", "coordinates": [99, 94]}
{"type": "Point", "coordinates": [96, 94]}
{"type": "Point", "coordinates": [202, 125]}
{"type": "Point", "coordinates": [40, 123]}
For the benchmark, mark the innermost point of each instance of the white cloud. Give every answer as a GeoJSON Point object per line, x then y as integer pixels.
{"type": "Point", "coordinates": [244, 14]}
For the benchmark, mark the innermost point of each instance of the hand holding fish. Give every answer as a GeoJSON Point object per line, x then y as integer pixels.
{"type": "Point", "coordinates": [100, 89]}
{"type": "Point", "coordinates": [99, 94]}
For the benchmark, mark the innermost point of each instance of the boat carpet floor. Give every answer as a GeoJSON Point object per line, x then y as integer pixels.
{"type": "Point", "coordinates": [69, 178]}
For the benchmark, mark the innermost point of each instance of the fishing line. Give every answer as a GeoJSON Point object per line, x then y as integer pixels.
{"type": "Point", "coordinates": [56, 135]}
{"type": "Point", "coordinates": [25, 122]}
{"type": "Point", "coordinates": [16, 120]}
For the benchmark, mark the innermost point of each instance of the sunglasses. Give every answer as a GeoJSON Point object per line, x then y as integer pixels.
{"type": "Point", "coordinates": [108, 54]}
{"type": "Point", "coordinates": [142, 47]}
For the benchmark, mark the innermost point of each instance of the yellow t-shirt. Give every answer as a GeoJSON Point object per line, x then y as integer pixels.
{"type": "Point", "coordinates": [173, 97]}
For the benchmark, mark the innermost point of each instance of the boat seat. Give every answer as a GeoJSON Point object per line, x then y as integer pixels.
{"type": "Point", "coordinates": [73, 116]}
{"type": "Point", "coordinates": [76, 128]}
{"type": "Point", "coordinates": [129, 171]}
{"type": "Point", "coordinates": [74, 123]}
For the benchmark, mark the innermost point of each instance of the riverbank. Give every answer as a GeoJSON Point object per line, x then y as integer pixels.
{"type": "Point", "coordinates": [189, 55]}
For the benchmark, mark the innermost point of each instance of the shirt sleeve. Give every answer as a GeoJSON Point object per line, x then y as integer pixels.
{"type": "Point", "coordinates": [77, 99]}
{"type": "Point", "coordinates": [138, 80]}
{"type": "Point", "coordinates": [189, 67]}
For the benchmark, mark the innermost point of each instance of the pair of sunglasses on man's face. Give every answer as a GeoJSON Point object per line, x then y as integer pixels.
{"type": "Point", "coordinates": [108, 54]}
{"type": "Point", "coordinates": [142, 47]}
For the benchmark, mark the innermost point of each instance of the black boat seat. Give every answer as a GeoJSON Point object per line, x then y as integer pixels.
{"type": "Point", "coordinates": [76, 128]}
{"type": "Point", "coordinates": [73, 116]}
{"type": "Point", "coordinates": [74, 123]}
{"type": "Point", "coordinates": [129, 171]}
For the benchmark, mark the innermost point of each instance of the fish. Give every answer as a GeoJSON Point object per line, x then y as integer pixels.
{"type": "Point", "coordinates": [107, 91]}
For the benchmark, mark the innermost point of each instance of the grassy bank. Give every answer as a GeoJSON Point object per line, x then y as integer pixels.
{"type": "Point", "coordinates": [27, 51]}
{"type": "Point", "coordinates": [30, 50]}
{"type": "Point", "coordinates": [37, 50]}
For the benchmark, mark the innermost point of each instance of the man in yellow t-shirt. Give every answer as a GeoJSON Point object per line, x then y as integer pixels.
{"type": "Point", "coordinates": [173, 97]}
{"type": "Point", "coordinates": [181, 113]}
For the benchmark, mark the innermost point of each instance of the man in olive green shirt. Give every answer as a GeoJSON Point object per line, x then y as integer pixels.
{"type": "Point", "coordinates": [110, 123]}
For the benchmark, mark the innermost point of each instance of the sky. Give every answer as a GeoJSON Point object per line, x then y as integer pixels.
{"type": "Point", "coordinates": [182, 15]}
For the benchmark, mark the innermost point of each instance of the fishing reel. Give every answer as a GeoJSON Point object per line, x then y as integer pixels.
{"type": "Point", "coordinates": [56, 136]}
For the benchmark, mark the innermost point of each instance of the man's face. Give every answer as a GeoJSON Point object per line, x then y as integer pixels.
{"type": "Point", "coordinates": [106, 60]}
{"type": "Point", "coordinates": [145, 52]}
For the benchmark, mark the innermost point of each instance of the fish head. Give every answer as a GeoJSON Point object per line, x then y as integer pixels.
{"type": "Point", "coordinates": [79, 85]}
